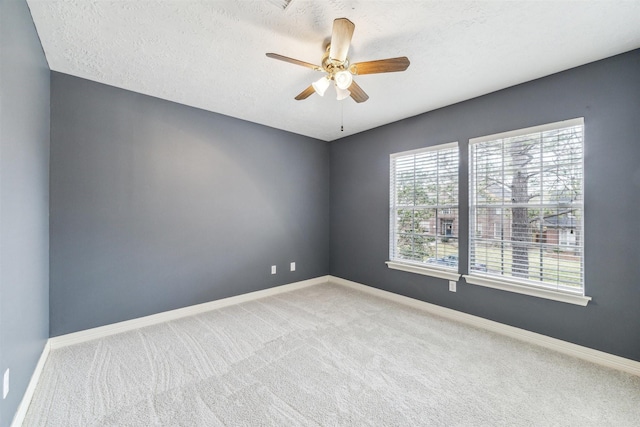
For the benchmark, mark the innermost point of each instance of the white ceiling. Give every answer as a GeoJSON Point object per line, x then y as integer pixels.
{"type": "Point", "coordinates": [211, 54]}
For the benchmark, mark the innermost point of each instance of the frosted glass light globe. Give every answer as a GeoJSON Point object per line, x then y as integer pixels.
{"type": "Point", "coordinates": [343, 79]}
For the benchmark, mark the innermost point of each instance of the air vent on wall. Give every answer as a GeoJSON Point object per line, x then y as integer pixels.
{"type": "Point", "coordinates": [281, 4]}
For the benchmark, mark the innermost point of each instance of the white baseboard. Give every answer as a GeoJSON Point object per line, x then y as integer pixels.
{"type": "Point", "coordinates": [18, 418]}
{"type": "Point", "coordinates": [128, 325]}
{"type": "Point", "coordinates": [584, 353]}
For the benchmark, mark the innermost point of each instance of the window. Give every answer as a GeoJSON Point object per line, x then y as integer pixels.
{"type": "Point", "coordinates": [528, 187]}
{"type": "Point", "coordinates": [497, 230]}
{"type": "Point", "coordinates": [424, 211]}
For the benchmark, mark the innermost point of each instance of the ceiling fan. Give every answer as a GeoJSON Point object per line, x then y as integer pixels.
{"type": "Point", "coordinates": [336, 64]}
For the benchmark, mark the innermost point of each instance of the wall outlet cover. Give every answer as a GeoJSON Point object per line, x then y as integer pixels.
{"type": "Point", "coordinates": [293, 266]}
{"type": "Point", "coordinates": [273, 269]}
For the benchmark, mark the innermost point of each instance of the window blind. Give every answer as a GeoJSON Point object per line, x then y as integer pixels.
{"type": "Point", "coordinates": [424, 206]}
{"type": "Point", "coordinates": [526, 206]}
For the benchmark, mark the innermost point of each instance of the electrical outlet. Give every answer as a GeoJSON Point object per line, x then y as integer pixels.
{"type": "Point", "coordinates": [5, 384]}
{"type": "Point", "coordinates": [452, 286]}
{"type": "Point", "coordinates": [293, 266]}
{"type": "Point", "coordinates": [273, 269]}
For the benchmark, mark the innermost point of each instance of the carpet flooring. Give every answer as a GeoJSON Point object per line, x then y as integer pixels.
{"type": "Point", "coordinates": [325, 355]}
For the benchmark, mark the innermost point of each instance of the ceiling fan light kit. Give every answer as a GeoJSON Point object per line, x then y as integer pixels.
{"type": "Point", "coordinates": [337, 68]}
{"type": "Point", "coordinates": [321, 85]}
{"type": "Point", "coordinates": [342, 93]}
{"type": "Point", "coordinates": [343, 79]}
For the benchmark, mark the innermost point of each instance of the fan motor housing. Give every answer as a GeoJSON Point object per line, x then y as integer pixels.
{"type": "Point", "coordinates": [331, 65]}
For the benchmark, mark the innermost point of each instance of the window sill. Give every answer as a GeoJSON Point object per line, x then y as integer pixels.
{"type": "Point", "coordinates": [491, 282]}
{"type": "Point", "coordinates": [425, 271]}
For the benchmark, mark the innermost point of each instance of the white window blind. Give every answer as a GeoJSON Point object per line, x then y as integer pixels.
{"type": "Point", "coordinates": [526, 207]}
{"type": "Point", "coordinates": [424, 206]}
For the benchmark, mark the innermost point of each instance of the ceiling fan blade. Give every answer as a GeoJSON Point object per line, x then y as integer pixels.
{"type": "Point", "coordinates": [294, 61]}
{"type": "Point", "coordinates": [305, 93]}
{"type": "Point", "coordinates": [380, 66]}
{"type": "Point", "coordinates": [357, 93]}
{"type": "Point", "coordinates": [341, 39]}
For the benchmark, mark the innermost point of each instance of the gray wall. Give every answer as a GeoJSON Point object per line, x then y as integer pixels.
{"type": "Point", "coordinates": [24, 199]}
{"type": "Point", "coordinates": [607, 95]}
{"type": "Point", "coordinates": [156, 206]}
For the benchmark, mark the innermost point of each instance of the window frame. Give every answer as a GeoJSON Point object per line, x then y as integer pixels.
{"type": "Point", "coordinates": [508, 283]}
{"type": "Point", "coordinates": [416, 266]}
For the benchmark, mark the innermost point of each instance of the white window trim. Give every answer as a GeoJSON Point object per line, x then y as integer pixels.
{"type": "Point", "coordinates": [533, 129]}
{"type": "Point", "coordinates": [425, 149]}
{"type": "Point", "coordinates": [505, 285]}
{"type": "Point", "coordinates": [512, 285]}
{"type": "Point", "coordinates": [424, 270]}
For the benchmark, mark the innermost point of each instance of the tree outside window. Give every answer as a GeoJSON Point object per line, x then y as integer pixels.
{"type": "Point", "coordinates": [424, 206]}
{"type": "Point", "coordinates": [527, 186]}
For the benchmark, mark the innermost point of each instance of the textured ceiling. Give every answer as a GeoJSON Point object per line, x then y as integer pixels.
{"type": "Point", "coordinates": [211, 54]}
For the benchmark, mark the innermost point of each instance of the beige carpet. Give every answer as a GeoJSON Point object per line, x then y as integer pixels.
{"type": "Point", "coordinates": [330, 356]}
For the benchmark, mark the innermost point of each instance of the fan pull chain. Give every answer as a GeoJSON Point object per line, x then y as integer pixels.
{"type": "Point", "coordinates": [342, 117]}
